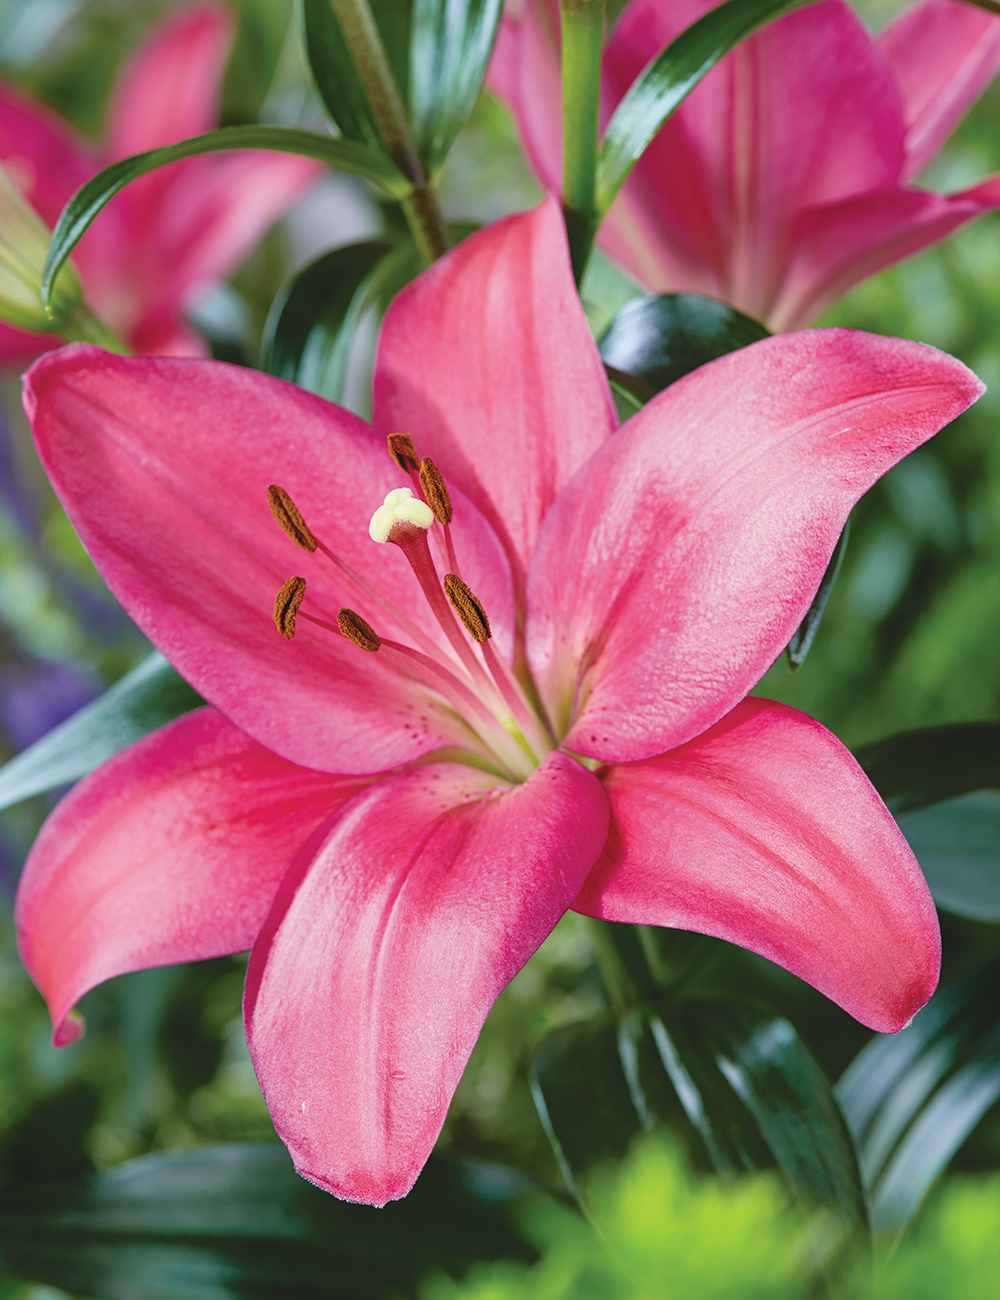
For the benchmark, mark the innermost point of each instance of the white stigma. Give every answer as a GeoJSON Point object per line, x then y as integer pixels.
{"type": "Point", "coordinates": [399, 507]}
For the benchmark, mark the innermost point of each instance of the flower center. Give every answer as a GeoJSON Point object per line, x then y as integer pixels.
{"type": "Point", "coordinates": [473, 681]}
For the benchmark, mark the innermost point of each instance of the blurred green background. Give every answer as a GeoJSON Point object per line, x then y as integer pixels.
{"type": "Point", "coordinates": [909, 639]}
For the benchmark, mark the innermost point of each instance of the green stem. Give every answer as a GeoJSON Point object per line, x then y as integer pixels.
{"type": "Point", "coordinates": [422, 209]}
{"type": "Point", "coordinates": [991, 6]}
{"type": "Point", "coordinates": [82, 326]}
{"type": "Point", "coordinates": [582, 40]}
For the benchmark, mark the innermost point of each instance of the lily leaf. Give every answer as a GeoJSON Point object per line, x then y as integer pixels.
{"type": "Point", "coordinates": [912, 1098]}
{"type": "Point", "coordinates": [146, 698]}
{"type": "Point", "coordinates": [734, 1078]}
{"type": "Point", "coordinates": [90, 198]}
{"type": "Point", "coordinates": [957, 844]}
{"type": "Point", "coordinates": [667, 79]}
{"type": "Point", "coordinates": [237, 1221]}
{"type": "Point", "coordinates": [919, 768]}
{"type": "Point", "coordinates": [655, 340]}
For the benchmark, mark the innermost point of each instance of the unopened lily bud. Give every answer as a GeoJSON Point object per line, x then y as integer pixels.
{"type": "Point", "coordinates": [286, 606]}
{"type": "Point", "coordinates": [435, 490]}
{"type": "Point", "coordinates": [400, 507]}
{"type": "Point", "coordinates": [403, 452]}
{"type": "Point", "coordinates": [356, 629]}
{"type": "Point", "coordinates": [24, 241]}
{"type": "Point", "coordinates": [468, 607]}
{"type": "Point", "coordinates": [289, 520]}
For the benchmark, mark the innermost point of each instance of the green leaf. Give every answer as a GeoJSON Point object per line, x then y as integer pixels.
{"type": "Point", "coordinates": [733, 1077]}
{"type": "Point", "coordinates": [654, 341]}
{"type": "Point", "coordinates": [144, 699]}
{"type": "Point", "coordinates": [308, 334]}
{"type": "Point", "coordinates": [912, 1098]}
{"type": "Point", "coordinates": [667, 79]}
{"type": "Point", "coordinates": [918, 768]}
{"type": "Point", "coordinates": [450, 46]}
{"type": "Point", "coordinates": [90, 198]}
{"type": "Point", "coordinates": [237, 1221]}
{"type": "Point", "coordinates": [957, 844]}
{"type": "Point", "coordinates": [805, 634]}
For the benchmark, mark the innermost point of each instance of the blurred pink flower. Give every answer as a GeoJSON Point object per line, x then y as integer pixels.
{"type": "Point", "coordinates": [784, 177]}
{"type": "Point", "coordinates": [173, 231]}
{"type": "Point", "coordinates": [368, 822]}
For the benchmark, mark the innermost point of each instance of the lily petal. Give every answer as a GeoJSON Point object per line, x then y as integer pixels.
{"type": "Point", "coordinates": [674, 568]}
{"type": "Point", "coordinates": [765, 831]}
{"type": "Point", "coordinates": [487, 362]}
{"type": "Point", "coordinates": [943, 55]}
{"type": "Point", "coordinates": [164, 465]}
{"type": "Point", "coordinates": [386, 949]}
{"type": "Point", "coordinates": [169, 852]}
{"type": "Point", "coordinates": [524, 72]}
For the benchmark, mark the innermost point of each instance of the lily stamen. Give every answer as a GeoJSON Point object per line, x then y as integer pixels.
{"type": "Point", "coordinates": [286, 606]}
{"type": "Point", "coordinates": [438, 497]}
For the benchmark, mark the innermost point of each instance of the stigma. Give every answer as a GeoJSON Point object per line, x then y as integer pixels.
{"type": "Point", "coordinates": [399, 507]}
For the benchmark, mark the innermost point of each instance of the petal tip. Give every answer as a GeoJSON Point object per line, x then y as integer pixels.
{"type": "Point", "coordinates": [69, 1029]}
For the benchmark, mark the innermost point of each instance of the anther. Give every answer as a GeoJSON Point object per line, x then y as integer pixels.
{"type": "Point", "coordinates": [400, 507]}
{"type": "Point", "coordinates": [354, 627]}
{"type": "Point", "coordinates": [289, 520]}
{"type": "Point", "coordinates": [403, 452]}
{"type": "Point", "coordinates": [286, 606]}
{"type": "Point", "coordinates": [468, 607]}
{"type": "Point", "coordinates": [435, 490]}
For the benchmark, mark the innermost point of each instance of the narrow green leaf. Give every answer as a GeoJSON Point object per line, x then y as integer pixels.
{"type": "Point", "coordinates": [912, 1098]}
{"type": "Point", "coordinates": [801, 642]}
{"type": "Point", "coordinates": [655, 340]}
{"type": "Point", "coordinates": [957, 844]}
{"type": "Point", "coordinates": [667, 79]}
{"type": "Point", "coordinates": [90, 198]}
{"type": "Point", "coordinates": [146, 698]}
{"type": "Point", "coordinates": [734, 1078]}
{"type": "Point", "coordinates": [236, 1221]}
{"type": "Point", "coordinates": [919, 768]}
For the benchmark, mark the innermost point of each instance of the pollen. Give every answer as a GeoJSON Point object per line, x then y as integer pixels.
{"type": "Point", "coordinates": [468, 607]}
{"type": "Point", "coordinates": [286, 606]}
{"type": "Point", "coordinates": [356, 629]}
{"type": "Point", "coordinates": [403, 452]}
{"type": "Point", "coordinates": [400, 507]}
{"type": "Point", "coordinates": [289, 520]}
{"type": "Point", "coordinates": [435, 490]}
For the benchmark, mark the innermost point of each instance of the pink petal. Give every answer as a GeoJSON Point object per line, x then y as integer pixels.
{"type": "Point", "coordinates": [764, 831]}
{"type": "Point", "coordinates": [164, 466]}
{"type": "Point", "coordinates": [169, 852]}
{"type": "Point", "coordinates": [43, 154]}
{"type": "Point", "coordinates": [383, 954]}
{"type": "Point", "coordinates": [804, 112]}
{"type": "Point", "coordinates": [943, 55]}
{"type": "Point", "coordinates": [487, 362]}
{"type": "Point", "coordinates": [524, 72]}
{"type": "Point", "coordinates": [836, 247]}
{"type": "Point", "coordinates": [171, 85]}
{"type": "Point", "coordinates": [674, 568]}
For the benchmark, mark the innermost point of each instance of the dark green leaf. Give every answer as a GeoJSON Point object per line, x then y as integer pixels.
{"type": "Point", "coordinates": [308, 334]}
{"type": "Point", "coordinates": [653, 341]}
{"type": "Point", "coordinates": [450, 46]}
{"type": "Point", "coordinates": [957, 844]}
{"type": "Point", "coordinates": [144, 699]}
{"type": "Point", "coordinates": [90, 198]}
{"type": "Point", "coordinates": [664, 82]}
{"type": "Point", "coordinates": [237, 1221]}
{"type": "Point", "coordinates": [801, 642]}
{"type": "Point", "coordinates": [912, 1098]}
{"type": "Point", "coordinates": [734, 1078]}
{"type": "Point", "coordinates": [918, 768]}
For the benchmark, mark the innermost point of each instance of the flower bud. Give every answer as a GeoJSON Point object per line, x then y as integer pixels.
{"type": "Point", "coordinates": [24, 241]}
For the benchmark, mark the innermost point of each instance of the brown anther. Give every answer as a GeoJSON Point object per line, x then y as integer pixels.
{"type": "Point", "coordinates": [289, 520]}
{"type": "Point", "coordinates": [435, 490]}
{"type": "Point", "coordinates": [403, 452]}
{"type": "Point", "coordinates": [354, 627]}
{"type": "Point", "coordinates": [286, 606]}
{"type": "Point", "coordinates": [468, 607]}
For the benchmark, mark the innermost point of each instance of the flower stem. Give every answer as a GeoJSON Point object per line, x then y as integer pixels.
{"type": "Point", "coordinates": [582, 38]}
{"type": "Point", "coordinates": [82, 326]}
{"type": "Point", "coordinates": [422, 209]}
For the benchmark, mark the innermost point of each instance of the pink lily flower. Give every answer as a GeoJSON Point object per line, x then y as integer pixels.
{"type": "Point", "coordinates": [392, 811]}
{"type": "Point", "coordinates": [172, 232]}
{"type": "Point", "coordinates": [785, 177]}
